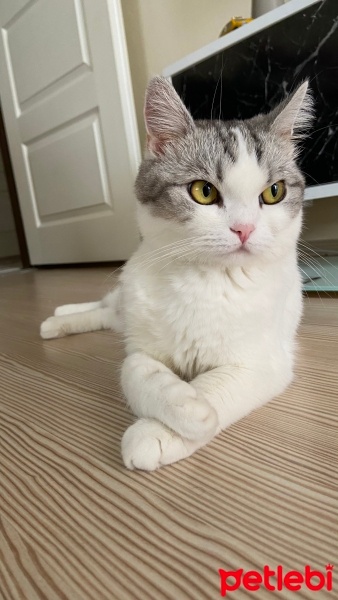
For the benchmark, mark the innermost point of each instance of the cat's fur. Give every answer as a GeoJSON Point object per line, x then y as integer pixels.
{"type": "Point", "coordinates": [209, 323]}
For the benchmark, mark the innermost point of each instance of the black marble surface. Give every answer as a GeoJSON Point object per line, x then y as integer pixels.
{"type": "Point", "coordinates": [255, 74]}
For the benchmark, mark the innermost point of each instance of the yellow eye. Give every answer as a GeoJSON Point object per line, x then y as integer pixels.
{"type": "Point", "coordinates": [203, 192]}
{"type": "Point", "coordinates": [274, 194]}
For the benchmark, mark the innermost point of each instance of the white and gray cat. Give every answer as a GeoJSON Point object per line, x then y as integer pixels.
{"type": "Point", "coordinates": [210, 302]}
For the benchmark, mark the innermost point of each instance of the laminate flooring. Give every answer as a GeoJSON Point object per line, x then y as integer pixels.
{"type": "Point", "coordinates": [75, 524]}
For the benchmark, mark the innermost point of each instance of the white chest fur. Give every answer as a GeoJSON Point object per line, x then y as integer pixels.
{"type": "Point", "coordinates": [194, 319]}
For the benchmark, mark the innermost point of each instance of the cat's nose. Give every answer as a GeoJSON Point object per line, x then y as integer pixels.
{"type": "Point", "coordinates": [243, 231]}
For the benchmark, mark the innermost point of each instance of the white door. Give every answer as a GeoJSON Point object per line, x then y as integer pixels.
{"type": "Point", "coordinates": [68, 109]}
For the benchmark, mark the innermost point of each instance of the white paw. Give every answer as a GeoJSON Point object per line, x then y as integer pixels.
{"type": "Point", "coordinates": [51, 328]}
{"type": "Point", "coordinates": [191, 417]}
{"type": "Point", "coordinates": [148, 445]}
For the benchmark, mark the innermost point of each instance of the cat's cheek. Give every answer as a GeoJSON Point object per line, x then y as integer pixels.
{"type": "Point", "coordinates": [276, 232]}
{"type": "Point", "coordinates": [280, 219]}
{"type": "Point", "coordinates": [163, 230]}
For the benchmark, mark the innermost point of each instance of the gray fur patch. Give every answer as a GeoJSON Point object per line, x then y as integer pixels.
{"type": "Point", "coordinates": [206, 152]}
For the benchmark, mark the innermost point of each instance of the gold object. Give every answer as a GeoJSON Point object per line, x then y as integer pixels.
{"type": "Point", "coordinates": [234, 23]}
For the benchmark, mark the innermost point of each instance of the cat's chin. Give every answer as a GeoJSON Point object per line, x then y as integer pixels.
{"type": "Point", "coordinates": [248, 256]}
{"type": "Point", "coordinates": [243, 258]}
{"type": "Point", "coordinates": [250, 253]}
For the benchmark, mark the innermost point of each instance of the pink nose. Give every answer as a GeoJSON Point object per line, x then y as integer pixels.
{"type": "Point", "coordinates": [243, 231]}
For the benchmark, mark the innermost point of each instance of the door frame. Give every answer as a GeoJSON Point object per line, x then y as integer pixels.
{"type": "Point", "coordinates": [13, 195]}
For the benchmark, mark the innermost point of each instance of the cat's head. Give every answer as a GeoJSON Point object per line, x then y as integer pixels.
{"type": "Point", "coordinates": [221, 192]}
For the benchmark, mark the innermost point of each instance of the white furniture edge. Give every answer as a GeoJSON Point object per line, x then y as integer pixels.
{"type": "Point", "coordinates": [322, 190]}
{"type": "Point", "coordinates": [270, 18]}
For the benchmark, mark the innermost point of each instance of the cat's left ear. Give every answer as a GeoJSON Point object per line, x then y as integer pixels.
{"type": "Point", "coordinates": [295, 114]}
{"type": "Point", "coordinates": [166, 118]}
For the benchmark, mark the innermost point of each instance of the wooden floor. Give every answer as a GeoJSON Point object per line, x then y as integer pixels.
{"type": "Point", "coordinates": [75, 524]}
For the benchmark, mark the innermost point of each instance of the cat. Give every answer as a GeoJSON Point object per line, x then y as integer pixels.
{"type": "Point", "coordinates": [210, 302]}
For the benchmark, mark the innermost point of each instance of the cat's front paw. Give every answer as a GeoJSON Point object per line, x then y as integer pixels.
{"type": "Point", "coordinates": [191, 417]}
{"type": "Point", "coordinates": [148, 445]}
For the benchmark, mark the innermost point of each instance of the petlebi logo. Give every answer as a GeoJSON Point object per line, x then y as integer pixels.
{"type": "Point", "coordinates": [277, 579]}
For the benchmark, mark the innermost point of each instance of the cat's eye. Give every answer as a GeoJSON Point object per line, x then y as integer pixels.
{"type": "Point", "coordinates": [203, 192]}
{"type": "Point", "coordinates": [273, 194]}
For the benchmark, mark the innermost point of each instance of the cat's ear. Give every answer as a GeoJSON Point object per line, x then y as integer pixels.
{"type": "Point", "coordinates": [166, 117]}
{"type": "Point", "coordinates": [294, 115]}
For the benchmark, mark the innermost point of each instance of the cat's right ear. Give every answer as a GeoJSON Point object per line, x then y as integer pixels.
{"type": "Point", "coordinates": [295, 114]}
{"type": "Point", "coordinates": [166, 118]}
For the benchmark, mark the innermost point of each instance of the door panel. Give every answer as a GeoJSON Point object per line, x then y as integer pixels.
{"type": "Point", "coordinates": [44, 45]}
{"type": "Point", "coordinates": [70, 120]}
{"type": "Point", "coordinates": [72, 150]}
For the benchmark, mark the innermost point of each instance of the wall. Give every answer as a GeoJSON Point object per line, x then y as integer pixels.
{"type": "Point", "coordinates": [159, 32]}
{"type": "Point", "coordinates": [8, 240]}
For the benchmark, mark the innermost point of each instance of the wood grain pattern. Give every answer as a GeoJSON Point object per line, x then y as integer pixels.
{"type": "Point", "coordinates": [74, 524]}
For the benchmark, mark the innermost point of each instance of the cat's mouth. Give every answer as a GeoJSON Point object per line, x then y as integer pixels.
{"type": "Point", "coordinates": [242, 249]}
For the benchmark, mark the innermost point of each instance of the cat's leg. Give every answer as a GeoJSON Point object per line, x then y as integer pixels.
{"type": "Point", "coordinates": [234, 391]}
{"type": "Point", "coordinates": [152, 390]}
{"type": "Point", "coordinates": [70, 309]}
{"type": "Point", "coordinates": [88, 316]}
{"type": "Point", "coordinates": [149, 445]}
{"type": "Point", "coordinates": [91, 320]}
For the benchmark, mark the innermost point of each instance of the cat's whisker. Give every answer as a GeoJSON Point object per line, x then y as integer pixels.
{"type": "Point", "coordinates": [313, 283]}
{"type": "Point", "coordinates": [175, 246]}
{"type": "Point", "coordinates": [151, 252]}
{"type": "Point", "coordinates": [185, 256]}
{"type": "Point", "coordinates": [310, 263]}
{"type": "Point", "coordinates": [213, 100]}
{"type": "Point", "coordinates": [220, 99]}
{"type": "Point", "coordinates": [177, 256]}
{"type": "Point", "coordinates": [310, 249]}
{"type": "Point", "coordinates": [158, 254]}
{"type": "Point", "coordinates": [319, 275]}
{"type": "Point", "coordinates": [159, 251]}
{"type": "Point", "coordinates": [172, 244]}
{"type": "Point", "coordinates": [169, 247]}
{"type": "Point", "coordinates": [303, 256]}
{"type": "Point", "coordinates": [114, 273]}
{"type": "Point", "coordinates": [317, 288]}
{"type": "Point", "coordinates": [108, 279]}
{"type": "Point", "coordinates": [321, 271]}
{"type": "Point", "coordinates": [311, 177]}
{"type": "Point", "coordinates": [326, 127]}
